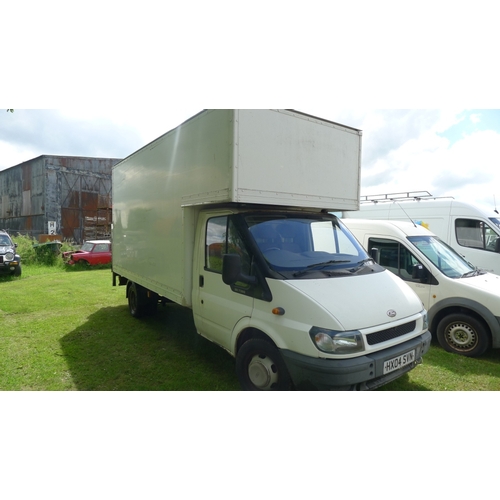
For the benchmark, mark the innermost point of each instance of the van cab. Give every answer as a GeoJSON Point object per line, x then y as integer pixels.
{"type": "Point", "coordinates": [463, 302]}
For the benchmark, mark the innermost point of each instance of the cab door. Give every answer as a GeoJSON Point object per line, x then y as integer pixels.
{"type": "Point", "coordinates": [218, 307]}
{"type": "Point", "coordinates": [101, 254]}
{"type": "Point", "coordinates": [398, 259]}
{"type": "Point", "coordinates": [477, 240]}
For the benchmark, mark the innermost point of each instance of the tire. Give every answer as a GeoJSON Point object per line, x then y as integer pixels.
{"type": "Point", "coordinates": [260, 367]}
{"type": "Point", "coordinates": [136, 304]}
{"type": "Point", "coordinates": [18, 271]}
{"type": "Point", "coordinates": [463, 334]}
{"type": "Point", "coordinates": [139, 304]}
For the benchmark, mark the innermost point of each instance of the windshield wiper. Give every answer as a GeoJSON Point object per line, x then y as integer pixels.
{"type": "Point", "coordinates": [361, 264]}
{"type": "Point", "coordinates": [311, 267]}
{"type": "Point", "coordinates": [470, 274]}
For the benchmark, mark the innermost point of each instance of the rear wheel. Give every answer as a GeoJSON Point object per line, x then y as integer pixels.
{"type": "Point", "coordinates": [135, 301]}
{"type": "Point", "coordinates": [260, 367]}
{"type": "Point", "coordinates": [463, 334]}
{"type": "Point", "coordinates": [139, 303]}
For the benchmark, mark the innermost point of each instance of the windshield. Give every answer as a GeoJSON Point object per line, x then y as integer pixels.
{"type": "Point", "coordinates": [442, 256]}
{"type": "Point", "coordinates": [87, 247]}
{"type": "Point", "coordinates": [495, 221]}
{"type": "Point", "coordinates": [5, 241]}
{"type": "Point", "coordinates": [302, 246]}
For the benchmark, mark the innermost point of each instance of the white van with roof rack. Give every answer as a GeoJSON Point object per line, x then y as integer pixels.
{"type": "Point", "coordinates": [470, 231]}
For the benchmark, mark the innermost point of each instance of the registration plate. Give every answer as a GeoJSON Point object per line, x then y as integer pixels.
{"type": "Point", "coordinates": [396, 363]}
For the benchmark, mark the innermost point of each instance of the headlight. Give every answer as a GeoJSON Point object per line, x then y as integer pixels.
{"type": "Point", "coordinates": [9, 256]}
{"type": "Point", "coordinates": [336, 342]}
{"type": "Point", "coordinates": [426, 321]}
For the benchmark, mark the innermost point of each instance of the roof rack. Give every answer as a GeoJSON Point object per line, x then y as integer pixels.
{"type": "Point", "coordinates": [403, 196]}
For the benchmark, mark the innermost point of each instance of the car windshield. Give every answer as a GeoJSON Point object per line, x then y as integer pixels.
{"type": "Point", "coordinates": [449, 262]}
{"type": "Point", "coordinates": [301, 246]}
{"type": "Point", "coordinates": [4, 241]}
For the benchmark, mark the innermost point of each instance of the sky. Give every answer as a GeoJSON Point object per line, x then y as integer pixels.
{"type": "Point", "coordinates": [446, 152]}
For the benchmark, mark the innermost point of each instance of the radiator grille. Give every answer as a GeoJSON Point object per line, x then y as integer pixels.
{"type": "Point", "coordinates": [390, 333]}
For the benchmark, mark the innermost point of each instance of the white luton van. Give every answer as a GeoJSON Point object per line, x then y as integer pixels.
{"type": "Point", "coordinates": [471, 232]}
{"type": "Point", "coordinates": [463, 303]}
{"type": "Point", "coordinates": [228, 214]}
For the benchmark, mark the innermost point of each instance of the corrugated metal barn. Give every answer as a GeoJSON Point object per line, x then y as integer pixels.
{"type": "Point", "coordinates": [68, 196]}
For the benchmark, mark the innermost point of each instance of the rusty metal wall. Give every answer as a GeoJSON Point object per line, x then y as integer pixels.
{"type": "Point", "coordinates": [73, 192]}
{"type": "Point", "coordinates": [22, 197]}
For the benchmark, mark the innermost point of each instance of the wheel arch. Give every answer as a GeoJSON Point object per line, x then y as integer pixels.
{"type": "Point", "coordinates": [465, 306]}
{"type": "Point", "coordinates": [250, 332]}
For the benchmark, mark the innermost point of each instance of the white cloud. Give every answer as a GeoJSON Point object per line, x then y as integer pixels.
{"type": "Point", "coordinates": [421, 159]}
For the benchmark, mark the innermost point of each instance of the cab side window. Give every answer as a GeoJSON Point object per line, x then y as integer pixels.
{"type": "Point", "coordinates": [475, 234]}
{"type": "Point", "coordinates": [222, 237]}
{"type": "Point", "coordinates": [394, 257]}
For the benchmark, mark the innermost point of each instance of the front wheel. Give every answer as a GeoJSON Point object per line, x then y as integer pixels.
{"type": "Point", "coordinates": [260, 367]}
{"type": "Point", "coordinates": [463, 334]}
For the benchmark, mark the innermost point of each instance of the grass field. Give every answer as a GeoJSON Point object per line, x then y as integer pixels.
{"type": "Point", "coordinates": [64, 330]}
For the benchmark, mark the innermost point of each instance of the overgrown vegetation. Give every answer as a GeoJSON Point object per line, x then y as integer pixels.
{"type": "Point", "coordinates": [45, 255]}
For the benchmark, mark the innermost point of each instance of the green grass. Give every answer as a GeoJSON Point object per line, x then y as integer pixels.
{"type": "Point", "coordinates": [443, 371]}
{"type": "Point", "coordinates": [71, 330]}
{"type": "Point", "coordinates": [68, 329]}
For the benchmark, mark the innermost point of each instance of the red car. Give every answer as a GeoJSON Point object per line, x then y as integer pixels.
{"type": "Point", "coordinates": [91, 253]}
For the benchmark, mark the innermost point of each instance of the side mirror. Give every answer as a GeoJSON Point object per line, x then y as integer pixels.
{"type": "Point", "coordinates": [231, 270]}
{"type": "Point", "coordinates": [419, 273]}
{"type": "Point", "coordinates": [374, 254]}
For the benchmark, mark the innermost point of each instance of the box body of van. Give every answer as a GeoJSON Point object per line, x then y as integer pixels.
{"type": "Point", "coordinates": [463, 303]}
{"type": "Point", "coordinates": [228, 215]}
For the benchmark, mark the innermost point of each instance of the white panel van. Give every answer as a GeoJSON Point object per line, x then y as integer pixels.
{"type": "Point", "coordinates": [471, 232]}
{"type": "Point", "coordinates": [463, 302]}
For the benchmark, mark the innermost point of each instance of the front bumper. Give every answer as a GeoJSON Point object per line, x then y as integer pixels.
{"type": "Point", "coordinates": [8, 267]}
{"type": "Point", "coordinates": [361, 373]}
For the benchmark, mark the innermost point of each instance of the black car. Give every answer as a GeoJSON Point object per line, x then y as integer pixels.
{"type": "Point", "coordinates": [10, 261]}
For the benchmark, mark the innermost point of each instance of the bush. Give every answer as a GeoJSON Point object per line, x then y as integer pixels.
{"type": "Point", "coordinates": [41, 255]}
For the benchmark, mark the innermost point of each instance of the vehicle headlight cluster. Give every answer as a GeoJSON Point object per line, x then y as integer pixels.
{"type": "Point", "coordinates": [9, 256]}
{"type": "Point", "coordinates": [334, 342]}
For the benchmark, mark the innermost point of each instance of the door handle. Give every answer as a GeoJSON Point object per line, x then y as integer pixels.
{"type": "Point", "coordinates": [202, 281]}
